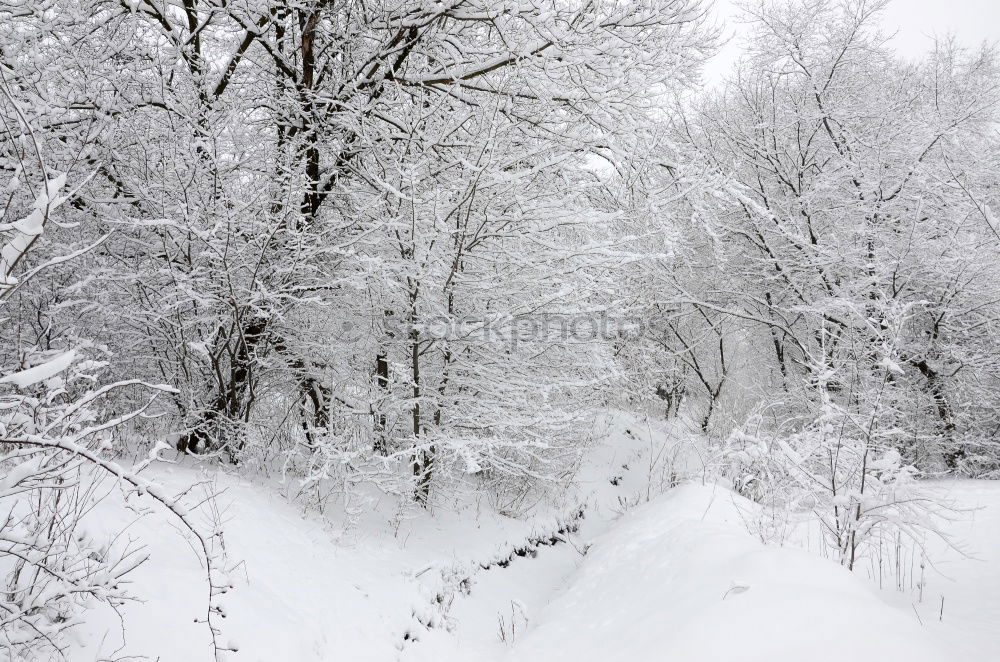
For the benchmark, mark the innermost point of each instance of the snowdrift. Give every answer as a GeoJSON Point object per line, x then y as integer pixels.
{"type": "Point", "coordinates": [678, 579]}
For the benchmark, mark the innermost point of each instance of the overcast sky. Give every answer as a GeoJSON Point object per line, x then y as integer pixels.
{"type": "Point", "coordinates": [917, 21]}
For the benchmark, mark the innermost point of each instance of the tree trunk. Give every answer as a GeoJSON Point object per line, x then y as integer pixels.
{"type": "Point", "coordinates": [954, 453]}
{"type": "Point", "coordinates": [381, 444]}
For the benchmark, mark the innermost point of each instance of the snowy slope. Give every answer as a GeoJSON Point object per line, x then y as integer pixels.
{"type": "Point", "coordinates": [640, 577]}
{"type": "Point", "coordinates": [678, 579]}
{"type": "Point", "coordinates": [307, 588]}
{"type": "Point", "coordinates": [297, 593]}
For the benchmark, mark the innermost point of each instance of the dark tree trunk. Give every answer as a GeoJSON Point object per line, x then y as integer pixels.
{"type": "Point", "coordinates": [953, 453]}
{"type": "Point", "coordinates": [381, 444]}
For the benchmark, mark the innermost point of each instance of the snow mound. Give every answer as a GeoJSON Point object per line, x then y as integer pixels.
{"type": "Point", "coordinates": [299, 596]}
{"type": "Point", "coordinates": [679, 579]}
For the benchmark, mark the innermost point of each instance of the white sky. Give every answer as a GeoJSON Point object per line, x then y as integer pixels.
{"type": "Point", "coordinates": [917, 21]}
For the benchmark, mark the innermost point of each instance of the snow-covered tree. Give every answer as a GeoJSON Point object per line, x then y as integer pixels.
{"type": "Point", "coordinates": [852, 254]}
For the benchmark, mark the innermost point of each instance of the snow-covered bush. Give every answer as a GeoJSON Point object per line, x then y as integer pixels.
{"type": "Point", "coordinates": [52, 568]}
{"type": "Point", "coordinates": [55, 425]}
{"type": "Point", "coordinates": [841, 467]}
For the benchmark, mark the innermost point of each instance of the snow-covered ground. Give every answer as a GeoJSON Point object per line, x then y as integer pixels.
{"type": "Point", "coordinates": [677, 579]}
{"type": "Point", "coordinates": [960, 600]}
{"type": "Point", "coordinates": [650, 572]}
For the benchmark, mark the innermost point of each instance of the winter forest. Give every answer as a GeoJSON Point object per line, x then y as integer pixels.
{"type": "Point", "coordinates": [460, 330]}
